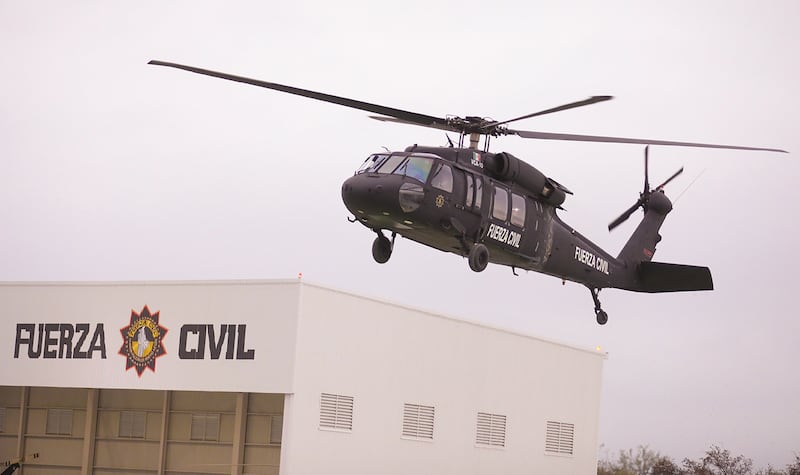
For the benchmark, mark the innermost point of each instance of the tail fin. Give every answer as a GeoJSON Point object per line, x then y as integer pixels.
{"type": "Point", "coordinates": [663, 277]}
{"type": "Point", "coordinates": [658, 276]}
{"type": "Point", "coordinates": [642, 244]}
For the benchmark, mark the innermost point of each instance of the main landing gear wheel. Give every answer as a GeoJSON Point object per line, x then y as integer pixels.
{"type": "Point", "coordinates": [478, 257]}
{"type": "Point", "coordinates": [602, 316]}
{"type": "Point", "coordinates": [381, 249]}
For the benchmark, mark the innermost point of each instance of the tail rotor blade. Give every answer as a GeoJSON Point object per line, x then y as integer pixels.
{"type": "Point", "coordinates": [624, 216]}
{"type": "Point", "coordinates": [674, 175]}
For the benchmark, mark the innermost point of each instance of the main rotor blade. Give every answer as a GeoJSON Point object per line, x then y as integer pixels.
{"type": "Point", "coordinates": [625, 215]}
{"type": "Point", "coordinates": [571, 105]}
{"type": "Point", "coordinates": [408, 122]}
{"type": "Point", "coordinates": [674, 175]}
{"type": "Point", "coordinates": [411, 117]}
{"type": "Point", "coordinates": [529, 134]}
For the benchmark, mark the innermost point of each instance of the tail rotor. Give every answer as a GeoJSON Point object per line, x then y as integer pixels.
{"type": "Point", "coordinates": [644, 196]}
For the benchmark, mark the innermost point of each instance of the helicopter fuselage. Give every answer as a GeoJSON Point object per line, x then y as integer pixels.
{"type": "Point", "coordinates": [454, 198]}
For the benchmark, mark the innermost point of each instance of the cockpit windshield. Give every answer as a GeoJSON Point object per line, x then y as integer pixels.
{"type": "Point", "coordinates": [372, 162]}
{"type": "Point", "coordinates": [416, 167]}
{"type": "Point", "coordinates": [389, 165]}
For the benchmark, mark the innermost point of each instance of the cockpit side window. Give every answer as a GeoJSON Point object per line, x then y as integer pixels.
{"type": "Point", "coordinates": [443, 178]}
{"type": "Point", "coordinates": [416, 167]}
{"type": "Point", "coordinates": [390, 164]}
{"type": "Point", "coordinates": [372, 162]}
{"type": "Point", "coordinates": [474, 192]}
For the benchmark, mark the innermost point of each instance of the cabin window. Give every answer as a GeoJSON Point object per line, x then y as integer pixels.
{"type": "Point", "coordinates": [390, 164]}
{"type": "Point", "coordinates": [443, 178]}
{"type": "Point", "coordinates": [371, 163]}
{"type": "Point", "coordinates": [500, 209]}
{"type": "Point", "coordinates": [469, 198]}
{"type": "Point", "coordinates": [478, 192]}
{"type": "Point", "coordinates": [517, 210]}
{"type": "Point", "coordinates": [417, 168]}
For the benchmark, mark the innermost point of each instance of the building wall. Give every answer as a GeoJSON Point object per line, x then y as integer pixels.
{"type": "Point", "coordinates": [167, 444]}
{"type": "Point", "coordinates": [306, 341]}
{"type": "Point", "coordinates": [384, 356]}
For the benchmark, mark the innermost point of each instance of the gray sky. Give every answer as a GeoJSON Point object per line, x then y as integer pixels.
{"type": "Point", "coordinates": [114, 170]}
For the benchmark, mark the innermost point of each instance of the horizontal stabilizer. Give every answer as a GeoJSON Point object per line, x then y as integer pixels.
{"type": "Point", "coordinates": [663, 277]}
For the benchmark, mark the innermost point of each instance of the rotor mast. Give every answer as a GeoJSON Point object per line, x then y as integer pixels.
{"type": "Point", "coordinates": [474, 138]}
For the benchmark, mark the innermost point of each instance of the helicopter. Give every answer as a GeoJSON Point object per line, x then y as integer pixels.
{"type": "Point", "coordinates": [496, 208]}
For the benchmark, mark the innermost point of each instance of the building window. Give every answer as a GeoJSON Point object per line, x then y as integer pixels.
{"type": "Point", "coordinates": [491, 430]}
{"type": "Point", "coordinates": [275, 430]}
{"type": "Point", "coordinates": [2, 419]}
{"type": "Point", "coordinates": [559, 438]}
{"type": "Point", "coordinates": [336, 412]}
{"type": "Point", "coordinates": [59, 422]}
{"type": "Point", "coordinates": [132, 424]}
{"type": "Point", "coordinates": [418, 421]}
{"type": "Point", "coordinates": [205, 427]}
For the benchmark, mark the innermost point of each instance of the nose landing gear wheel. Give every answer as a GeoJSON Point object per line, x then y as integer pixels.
{"type": "Point", "coordinates": [478, 257]}
{"type": "Point", "coordinates": [381, 249]}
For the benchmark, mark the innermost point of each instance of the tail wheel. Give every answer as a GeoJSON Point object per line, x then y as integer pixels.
{"type": "Point", "coordinates": [381, 249]}
{"type": "Point", "coordinates": [602, 317]}
{"type": "Point", "coordinates": [478, 257]}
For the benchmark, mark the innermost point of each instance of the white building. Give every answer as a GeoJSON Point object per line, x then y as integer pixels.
{"type": "Point", "coordinates": [280, 377]}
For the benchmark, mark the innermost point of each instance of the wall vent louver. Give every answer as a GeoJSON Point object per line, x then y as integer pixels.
{"type": "Point", "coordinates": [491, 430]}
{"type": "Point", "coordinates": [559, 438]}
{"type": "Point", "coordinates": [418, 421]}
{"type": "Point", "coordinates": [336, 412]}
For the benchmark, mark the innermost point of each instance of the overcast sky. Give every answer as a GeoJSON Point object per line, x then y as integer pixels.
{"type": "Point", "coordinates": [111, 169]}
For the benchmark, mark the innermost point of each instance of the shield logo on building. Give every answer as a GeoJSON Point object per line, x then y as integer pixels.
{"type": "Point", "coordinates": [142, 341]}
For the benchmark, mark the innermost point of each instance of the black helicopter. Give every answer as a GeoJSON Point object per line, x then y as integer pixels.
{"type": "Point", "coordinates": [494, 207]}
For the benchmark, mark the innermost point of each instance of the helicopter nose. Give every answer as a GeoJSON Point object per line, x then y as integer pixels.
{"type": "Point", "coordinates": [369, 196]}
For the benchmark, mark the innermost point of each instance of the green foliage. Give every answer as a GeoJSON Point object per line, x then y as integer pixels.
{"type": "Point", "coordinates": [639, 461]}
{"type": "Point", "coordinates": [719, 461]}
{"type": "Point", "coordinates": [716, 461]}
{"type": "Point", "coordinates": [794, 468]}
